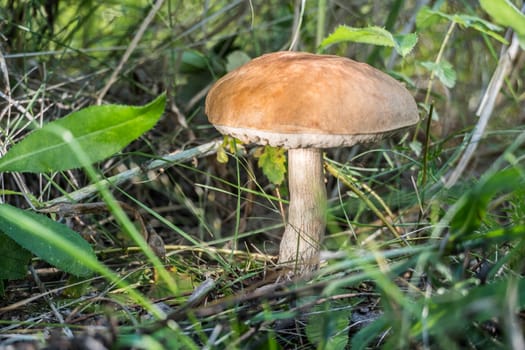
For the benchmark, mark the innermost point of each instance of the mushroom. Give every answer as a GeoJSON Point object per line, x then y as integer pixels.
{"type": "Point", "coordinates": [306, 102]}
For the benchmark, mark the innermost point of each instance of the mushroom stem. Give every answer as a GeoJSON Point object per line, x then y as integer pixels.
{"type": "Point", "coordinates": [307, 211]}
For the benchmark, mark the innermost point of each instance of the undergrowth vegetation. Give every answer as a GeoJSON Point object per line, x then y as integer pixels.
{"type": "Point", "coordinates": [127, 221]}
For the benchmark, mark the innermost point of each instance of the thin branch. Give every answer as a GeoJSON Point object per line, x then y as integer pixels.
{"type": "Point", "coordinates": [165, 161]}
{"type": "Point", "coordinates": [486, 108]}
{"type": "Point", "coordinates": [134, 43]}
{"type": "Point", "coordinates": [298, 20]}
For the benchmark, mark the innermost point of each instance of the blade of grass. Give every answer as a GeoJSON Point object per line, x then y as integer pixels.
{"type": "Point", "coordinates": [117, 211]}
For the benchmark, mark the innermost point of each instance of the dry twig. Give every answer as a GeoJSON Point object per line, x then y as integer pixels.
{"type": "Point", "coordinates": [485, 109]}
{"type": "Point", "coordinates": [164, 161]}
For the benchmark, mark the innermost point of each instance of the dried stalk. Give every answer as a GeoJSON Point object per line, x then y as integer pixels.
{"type": "Point", "coordinates": [165, 161]}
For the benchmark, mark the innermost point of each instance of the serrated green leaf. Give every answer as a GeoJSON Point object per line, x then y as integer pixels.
{"type": "Point", "coordinates": [427, 17]}
{"type": "Point", "coordinates": [51, 241]}
{"type": "Point", "coordinates": [272, 161]}
{"type": "Point", "coordinates": [443, 71]}
{"type": "Point", "coordinates": [505, 13]}
{"type": "Point", "coordinates": [100, 130]}
{"type": "Point", "coordinates": [15, 259]}
{"type": "Point", "coordinates": [403, 44]}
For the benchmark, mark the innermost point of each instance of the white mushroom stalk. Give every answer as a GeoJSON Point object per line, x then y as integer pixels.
{"type": "Point", "coordinates": [306, 222]}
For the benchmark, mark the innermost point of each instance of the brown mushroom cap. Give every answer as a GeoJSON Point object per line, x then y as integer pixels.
{"type": "Point", "coordinates": [299, 100]}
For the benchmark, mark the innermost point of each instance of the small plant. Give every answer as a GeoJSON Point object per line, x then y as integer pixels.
{"type": "Point", "coordinates": [75, 141]}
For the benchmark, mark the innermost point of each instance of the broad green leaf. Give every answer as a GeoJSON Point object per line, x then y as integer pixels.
{"type": "Point", "coordinates": [272, 162]}
{"type": "Point", "coordinates": [101, 131]}
{"type": "Point", "coordinates": [403, 44]}
{"type": "Point", "coordinates": [47, 239]}
{"type": "Point", "coordinates": [443, 71]}
{"type": "Point", "coordinates": [15, 259]}
{"type": "Point", "coordinates": [505, 13]}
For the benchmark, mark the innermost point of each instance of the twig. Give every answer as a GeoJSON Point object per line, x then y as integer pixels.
{"type": "Point", "coordinates": [439, 57]}
{"type": "Point", "coordinates": [17, 105]}
{"type": "Point", "coordinates": [3, 70]}
{"type": "Point", "coordinates": [134, 43]}
{"type": "Point", "coordinates": [165, 161]}
{"type": "Point", "coordinates": [486, 107]}
{"type": "Point", "coordinates": [297, 22]}
{"type": "Point", "coordinates": [67, 331]}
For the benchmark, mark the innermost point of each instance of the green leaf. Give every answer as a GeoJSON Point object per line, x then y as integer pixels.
{"type": "Point", "coordinates": [236, 59]}
{"type": "Point", "coordinates": [443, 71]}
{"type": "Point", "coordinates": [100, 130]}
{"type": "Point", "coordinates": [505, 13]}
{"type": "Point", "coordinates": [15, 259]}
{"type": "Point", "coordinates": [193, 61]}
{"type": "Point", "coordinates": [272, 162]}
{"type": "Point", "coordinates": [427, 17]}
{"type": "Point", "coordinates": [51, 241]}
{"type": "Point", "coordinates": [403, 44]}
